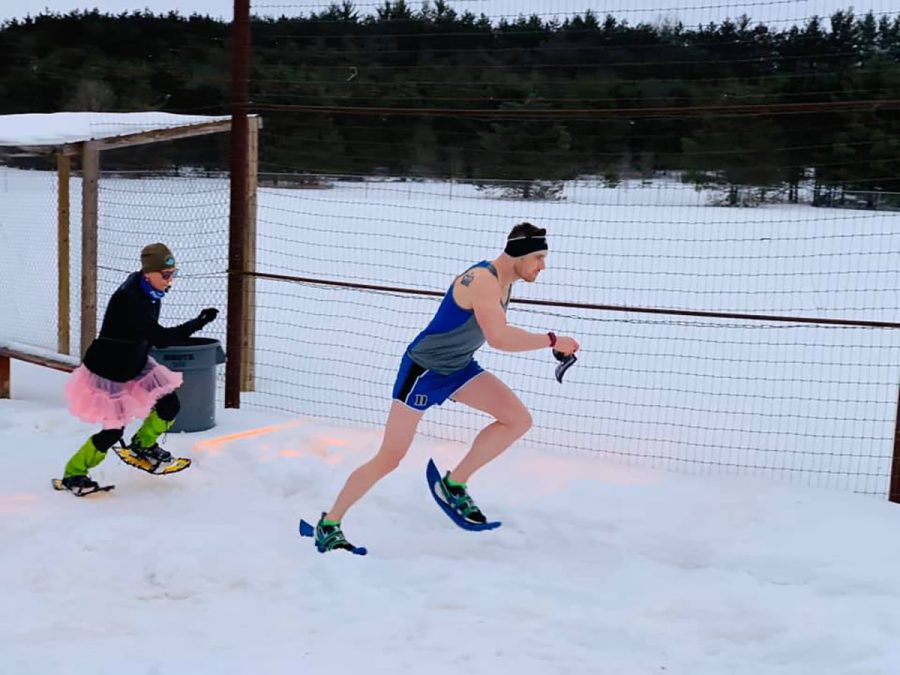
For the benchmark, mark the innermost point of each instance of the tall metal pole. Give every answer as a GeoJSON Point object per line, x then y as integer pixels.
{"type": "Point", "coordinates": [237, 231]}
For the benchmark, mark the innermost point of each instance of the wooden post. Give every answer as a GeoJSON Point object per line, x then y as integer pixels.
{"type": "Point", "coordinates": [237, 230]}
{"type": "Point", "coordinates": [63, 292]}
{"type": "Point", "coordinates": [4, 376]}
{"type": "Point", "coordinates": [894, 490]}
{"type": "Point", "coordinates": [90, 174]}
{"type": "Point", "coordinates": [248, 339]}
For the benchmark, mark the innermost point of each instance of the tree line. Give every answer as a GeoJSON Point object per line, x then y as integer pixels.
{"type": "Point", "coordinates": [434, 92]}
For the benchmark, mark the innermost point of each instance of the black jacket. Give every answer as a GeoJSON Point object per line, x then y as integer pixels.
{"type": "Point", "coordinates": [130, 328]}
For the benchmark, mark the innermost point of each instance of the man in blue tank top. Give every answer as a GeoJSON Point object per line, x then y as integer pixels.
{"type": "Point", "coordinates": [439, 364]}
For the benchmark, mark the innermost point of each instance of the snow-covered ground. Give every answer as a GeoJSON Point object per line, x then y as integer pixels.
{"type": "Point", "coordinates": [604, 564]}
{"type": "Point", "coordinates": [598, 568]}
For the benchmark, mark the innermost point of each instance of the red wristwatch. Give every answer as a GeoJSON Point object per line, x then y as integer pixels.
{"type": "Point", "coordinates": [552, 336]}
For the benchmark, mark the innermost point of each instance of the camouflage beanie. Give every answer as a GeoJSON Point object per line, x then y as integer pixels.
{"type": "Point", "coordinates": [156, 257]}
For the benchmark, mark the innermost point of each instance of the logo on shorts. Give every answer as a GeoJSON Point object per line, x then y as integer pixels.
{"type": "Point", "coordinates": [421, 400]}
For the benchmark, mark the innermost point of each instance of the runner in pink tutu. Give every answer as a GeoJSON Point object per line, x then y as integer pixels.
{"type": "Point", "coordinates": [118, 381]}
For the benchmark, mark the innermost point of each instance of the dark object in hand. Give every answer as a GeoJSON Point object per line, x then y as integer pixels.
{"type": "Point", "coordinates": [565, 362]}
{"type": "Point", "coordinates": [208, 315]}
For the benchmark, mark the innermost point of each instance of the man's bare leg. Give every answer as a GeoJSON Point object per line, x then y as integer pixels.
{"type": "Point", "coordinates": [399, 431]}
{"type": "Point", "coordinates": [489, 394]}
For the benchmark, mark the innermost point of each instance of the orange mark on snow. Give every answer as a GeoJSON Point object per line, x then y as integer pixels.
{"type": "Point", "coordinates": [16, 503]}
{"type": "Point", "coordinates": [333, 440]}
{"type": "Point", "coordinates": [552, 474]}
{"type": "Point", "coordinates": [213, 446]}
{"type": "Point", "coordinates": [321, 445]}
{"type": "Point", "coordinates": [333, 460]}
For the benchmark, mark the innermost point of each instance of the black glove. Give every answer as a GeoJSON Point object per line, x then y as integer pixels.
{"type": "Point", "coordinates": [208, 315]}
{"type": "Point", "coordinates": [565, 362]}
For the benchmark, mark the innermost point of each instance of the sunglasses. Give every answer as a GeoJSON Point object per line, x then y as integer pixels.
{"type": "Point", "coordinates": [168, 274]}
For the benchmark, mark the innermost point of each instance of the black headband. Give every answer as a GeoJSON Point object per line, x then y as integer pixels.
{"type": "Point", "coordinates": [522, 246]}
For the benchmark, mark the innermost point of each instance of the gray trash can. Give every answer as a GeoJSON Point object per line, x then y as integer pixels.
{"type": "Point", "coordinates": [196, 359]}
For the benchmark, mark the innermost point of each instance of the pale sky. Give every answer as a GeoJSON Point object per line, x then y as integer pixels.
{"type": "Point", "coordinates": [775, 12]}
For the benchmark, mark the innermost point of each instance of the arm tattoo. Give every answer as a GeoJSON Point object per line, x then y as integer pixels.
{"type": "Point", "coordinates": [467, 279]}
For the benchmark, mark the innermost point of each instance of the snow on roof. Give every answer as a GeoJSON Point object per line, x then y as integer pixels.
{"type": "Point", "coordinates": [36, 129]}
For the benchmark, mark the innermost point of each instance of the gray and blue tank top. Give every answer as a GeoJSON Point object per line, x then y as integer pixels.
{"type": "Point", "coordinates": [453, 336]}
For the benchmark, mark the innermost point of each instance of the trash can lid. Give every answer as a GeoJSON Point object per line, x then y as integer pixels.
{"type": "Point", "coordinates": [190, 354]}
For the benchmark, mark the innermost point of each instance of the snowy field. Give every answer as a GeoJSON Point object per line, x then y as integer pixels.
{"type": "Point", "coordinates": [597, 569]}
{"type": "Point", "coordinates": [743, 561]}
{"type": "Point", "coordinates": [805, 404]}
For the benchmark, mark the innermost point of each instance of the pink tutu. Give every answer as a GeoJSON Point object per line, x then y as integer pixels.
{"type": "Point", "coordinates": [114, 404]}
